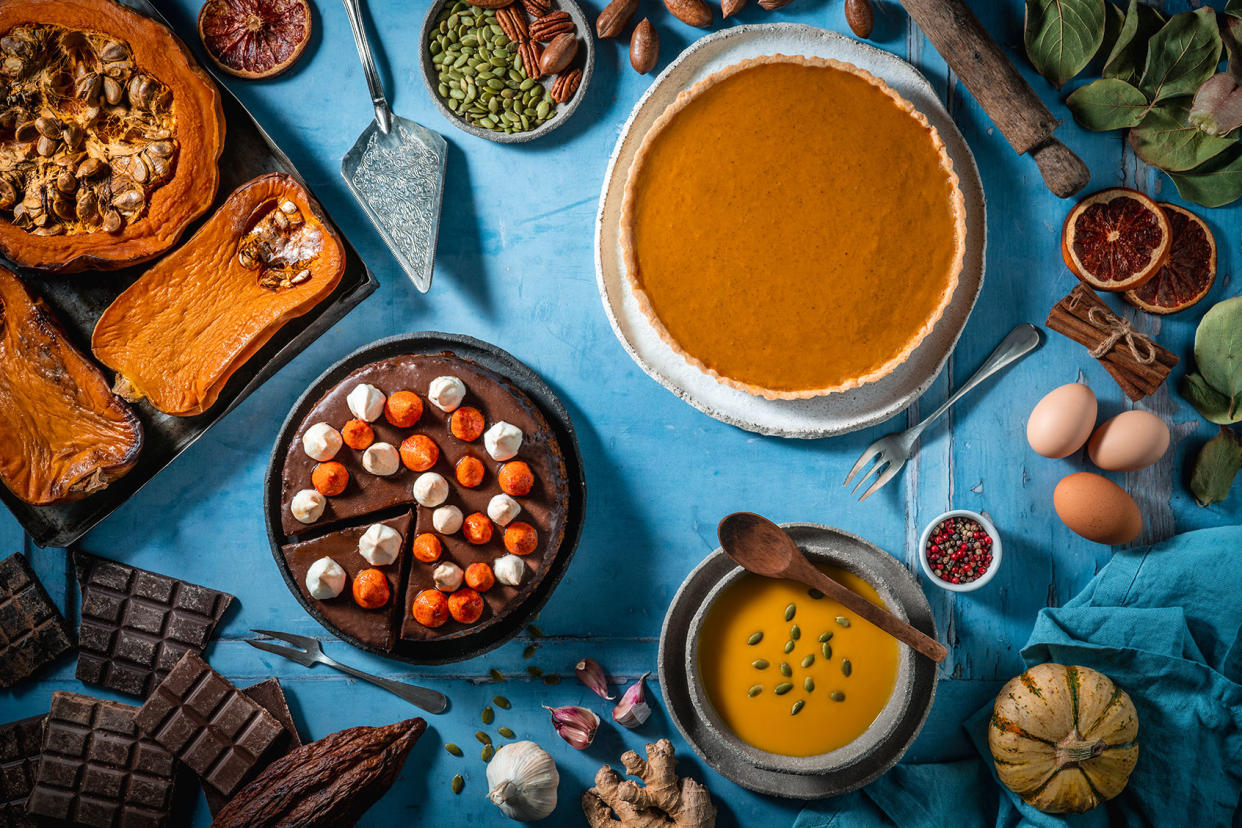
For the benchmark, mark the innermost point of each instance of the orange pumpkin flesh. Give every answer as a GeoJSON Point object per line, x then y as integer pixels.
{"type": "Point", "coordinates": [177, 334]}
{"type": "Point", "coordinates": [65, 434]}
{"type": "Point", "coordinates": [197, 124]}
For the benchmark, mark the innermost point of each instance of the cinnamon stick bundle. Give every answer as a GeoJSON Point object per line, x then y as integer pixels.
{"type": "Point", "coordinates": [1133, 359]}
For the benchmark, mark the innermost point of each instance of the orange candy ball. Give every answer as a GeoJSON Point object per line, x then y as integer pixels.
{"type": "Point", "coordinates": [470, 472]}
{"type": "Point", "coordinates": [465, 605]}
{"type": "Point", "coordinates": [330, 478]}
{"type": "Point", "coordinates": [466, 423]}
{"type": "Point", "coordinates": [419, 452]}
{"type": "Point", "coordinates": [427, 548]}
{"type": "Point", "coordinates": [431, 608]}
{"type": "Point", "coordinates": [371, 589]}
{"type": "Point", "coordinates": [477, 528]}
{"type": "Point", "coordinates": [521, 538]}
{"type": "Point", "coordinates": [403, 409]}
{"type": "Point", "coordinates": [358, 434]}
{"type": "Point", "coordinates": [516, 478]}
{"type": "Point", "coordinates": [479, 576]}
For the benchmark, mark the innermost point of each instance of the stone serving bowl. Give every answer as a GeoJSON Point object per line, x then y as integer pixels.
{"type": "Point", "coordinates": [811, 777]}
{"type": "Point", "coordinates": [584, 60]}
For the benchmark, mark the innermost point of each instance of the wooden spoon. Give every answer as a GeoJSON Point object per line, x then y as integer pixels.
{"type": "Point", "coordinates": [760, 546]}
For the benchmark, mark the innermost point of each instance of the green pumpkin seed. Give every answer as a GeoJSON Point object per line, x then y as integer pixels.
{"type": "Point", "coordinates": [534, 671]}
{"type": "Point", "coordinates": [827, 650]}
{"type": "Point", "coordinates": [808, 684]}
{"type": "Point", "coordinates": [846, 668]}
{"type": "Point", "coordinates": [530, 650]}
{"type": "Point", "coordinates": [527, 84]}
{"type": "Point", "coordinates": [458, 784]}
{"type": "Point", "coordinates": [808, 660]}
{"type": "Point", "coordinates": [551, 679]}
{"type": "Point", "coordinates": [487, 753]}
{"type": "Point", "coordinates": [789, 612]}
{"type": "Point", "coordinates": [789, 645]}
{"type": "Point", "coordinates": [760, 664]}
{"type": "Point", "coordinates": [483, 738]}
{"type": "Point", "coordinates": [496, 675]}
{"type": "Point", "coordinates": [797, 707]}
{"type": "Point", "coordinates": [754, 691]}
{"type": "Point", "coordinates": [795, 632]}
{"type": "Point", "coordinates": [825, 637]}
{"type": "Point", "coordinates": [505, 731]}
{"type": "Point", "coordinates": [786, 670]}
{"type": "Point", "coordinates": [843, 621]}
{"type": "Point", "coordinates": [782, 688]}
{"type": "Point", "coordinates": [755, 638]}
{"type": "Point", "coordinates": [501, 702]}
{"type": "Point", "coordinates": [453, 749]}
{"type": "Point", "coordinates": [836, 695]}
{"type": "Point", "coordinates": [815, 593]}
{"type": "Point", "coordinates": [488, 715]}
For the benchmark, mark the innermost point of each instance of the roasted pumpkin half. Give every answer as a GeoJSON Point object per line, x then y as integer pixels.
{"type": "Point", "coordinates": [64, 434]}
{"type": "Point", "coordinates": [110, 135]}
{"type": "Point", "coordinates": [177, 334]}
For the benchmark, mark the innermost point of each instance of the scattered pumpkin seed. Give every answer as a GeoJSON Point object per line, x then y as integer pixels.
{"type": "Point", "coordinates": [843, 621]}
{"type": "Point", "coordinates": [825, 637]}
{"type": "Point", "coordinates": [488, 715]}
{"type": "Point", "coordinates": [534, 671]}
{"type": "Point", "coordinates": [782, 688]}
{"type": "Point", "coordinates": [808, 660]}
{"type": "Point", "coordinates": [808, 684]}
{"type": "Point", "coordinates": [815, 593]}
{"type": "Point", "coordinates": [789, 612]}
{"type": "Point", "coordinates": [551, 679]}
{"type": "Point", "coordinates": [487, 753]}
{"type": "Point", "coordinates": [827, 650]}
{"type": "Point", "coordinates": [760, 664]}
{"type": "Point", "coordinates": [797, 707]}
{"type": "Point", "coordinates": [846, 667]}
{"type": "Point", "coordinates": [755, 638]}
{"type": "Point", "coordinates": [754, 691]}
{"type": "Point", "coordinates": [789, 645]}
{"type": "Point", "coordinates": [453, 749]}
{"type": "Point", "coordinates": [786, 670]}
{"type": "Point", "coordinates": [529, 652]}
{"type": "Point", "coordinates": [836, 695]}
{"type": "Point", "coordinates": [795, 632]}
{"type": "Point", "coordinates": [496, 674]}
{"type": "Point", "coordinates": [458, 784]}
{"type": "Point", "coordinates": [501, 702]}
{"type": "Point", "coordinates": [505, 731]}
{"type": "Point", "coordinates": [483, 738]}
{"type": "Point", "coordinates": [534, 631]}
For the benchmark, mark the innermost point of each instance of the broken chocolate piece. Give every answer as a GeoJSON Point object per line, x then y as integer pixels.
{"type": "Point", "coordinates": [32, 631]}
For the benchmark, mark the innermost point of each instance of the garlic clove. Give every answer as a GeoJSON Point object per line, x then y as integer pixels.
{"type": "Point", "coordinates": [633, 709]}
{"type": "Point", "coordinates": [576, 725]}
{"type": "Point", "coordinates": [592, 675]}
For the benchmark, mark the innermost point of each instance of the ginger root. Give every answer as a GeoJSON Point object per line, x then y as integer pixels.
{"type": "Point", "coordinates": [663, 801]}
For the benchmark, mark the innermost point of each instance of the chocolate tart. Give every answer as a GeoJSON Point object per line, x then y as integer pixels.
{"type": "Point", "coordinates": [497, 385]}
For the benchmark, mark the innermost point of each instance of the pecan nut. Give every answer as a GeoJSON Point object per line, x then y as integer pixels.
{"type": "Point", "coordinates": [557, 54]}
{"type": "Point", "coordinates": [489, 4]}
{"type": "Point", "coordinates": [860, 16]}
{"type": "Point", "coordinates": [565, 85]}
{"type": "Point", "coordinates": [693, 12]}
{"type": "Point", "coordinates": [530, 52]}
{"type": "Point", "coordinates": [728, 8]}
{"type": "Point", "coordinates": [644, 47]}
{"type": "Point", "coordinates": [512, 21]}
{"type": "Point", "coordinates": [545, 28]}
{"type": "Point", "coordinates": [537, 8]}
{"type": "Point", "coordinates": [773, 5]}
{"type": "Point", "coordinates": [614, 18]}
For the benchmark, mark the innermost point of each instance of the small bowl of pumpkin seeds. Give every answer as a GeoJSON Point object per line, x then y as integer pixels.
{"type": "Point", "coordinates": [509, 74]}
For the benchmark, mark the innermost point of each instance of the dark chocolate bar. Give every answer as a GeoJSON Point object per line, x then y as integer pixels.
{"type": "Point", "coordinates": [271, 696]}
{"type": "Point", "coordinates": [206, 722]}
{"type": "Point", "coordinates": [32, 631]}
{"type": "Point", "coordinates": [137, 624]}
{"type": "Point", "coordinates": [19, 759]}
{"type": "Point", "coordinates": [97, 769]}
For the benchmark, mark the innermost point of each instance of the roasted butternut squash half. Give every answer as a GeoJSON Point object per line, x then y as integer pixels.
{"type": "Point", "coordinates": [110, 135]}
{"type": "Point", "coordinates": [176, 335]}
{"type": "Point", "coordinates": [64, 434]}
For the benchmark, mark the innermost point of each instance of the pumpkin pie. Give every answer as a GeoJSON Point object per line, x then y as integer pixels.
{"type": "Point", "coordinates": [793, 227]}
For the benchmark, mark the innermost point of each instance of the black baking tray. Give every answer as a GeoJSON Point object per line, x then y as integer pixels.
{"type": "Point", "coordinates": [459, 647]}
{"type": "Point", "coordinates": [80, 299]}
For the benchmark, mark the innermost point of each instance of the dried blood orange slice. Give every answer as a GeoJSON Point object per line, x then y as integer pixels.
{"type": "Point", "coordinates": [1115, 239]}
{"type": "Point", "coordinates": [1190, 271]}
{"type": "Point", "coordinates": [254, 38]}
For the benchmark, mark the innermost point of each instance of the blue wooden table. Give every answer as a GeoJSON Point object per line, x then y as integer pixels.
{"type": "Point", "coordinates": [515, 267]}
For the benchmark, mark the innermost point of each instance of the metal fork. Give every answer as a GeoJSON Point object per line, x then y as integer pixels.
{"type": "Point", "coordinates": [888, 454]}
{"type": "Point", "coordinates": [312, 653]}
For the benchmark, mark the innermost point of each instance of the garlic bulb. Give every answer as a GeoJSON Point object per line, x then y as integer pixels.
{"type": "Point", "coordinates": [522, 779]}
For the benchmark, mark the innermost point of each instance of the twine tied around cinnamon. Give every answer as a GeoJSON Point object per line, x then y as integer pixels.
{"type": "Point", "coordinates": [1116, 330]}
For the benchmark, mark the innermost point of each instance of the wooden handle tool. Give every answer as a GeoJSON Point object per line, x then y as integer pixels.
{"type": "Point", "coordinates": [995, 82]}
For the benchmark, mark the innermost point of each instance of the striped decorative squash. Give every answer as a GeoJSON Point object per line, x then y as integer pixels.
{"type": "Point", "coordinates": [1063, 738]}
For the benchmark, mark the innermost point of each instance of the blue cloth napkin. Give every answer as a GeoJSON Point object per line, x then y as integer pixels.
{"type": "Point", "coordinates": [1165, 623]}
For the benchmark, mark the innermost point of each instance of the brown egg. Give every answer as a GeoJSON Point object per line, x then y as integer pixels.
{"type": "Point", "coordinates": [1097, 508]}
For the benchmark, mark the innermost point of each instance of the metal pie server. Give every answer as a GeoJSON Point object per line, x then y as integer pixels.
{"type": "Point", "coordinates": [396, 171]}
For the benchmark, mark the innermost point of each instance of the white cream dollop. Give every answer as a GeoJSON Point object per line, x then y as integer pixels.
{"type": "Point", "coordinates": [366, 402]}
{"type": "Point", "coordinates": [503, 440]}
{"type": "Point", "coordinates": [509, 570]}
{"type": "Point", "coordinates": [502, 509]}
{"type": "Point", "coordinates": [446, 519]}
{"type": "Point", "coordinates": [321, 442]}
{"type": "Point", "coordinates": [307, 505]}
{"type": "Point", "coordinates": [430, 489]}
{"type": "Point", "coordinates": [382, 459]}
{"type": "Point", "coordinates": [447, 577]}
{"type": "Point", "coordinates": [380, 544]}
{"type": "Point", "coordinates": [325, 579]}
{"type": "Point", "coordinates": [446, 393]}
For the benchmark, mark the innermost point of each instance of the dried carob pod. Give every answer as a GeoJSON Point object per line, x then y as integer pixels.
{"type": "Point", "coordinates": [328, 783]}
{"type": "Point", "coordinates": [615, 17]}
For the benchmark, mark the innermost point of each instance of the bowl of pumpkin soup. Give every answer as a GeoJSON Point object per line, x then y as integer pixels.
{"type": "Point", "coordinates": [784, 690]}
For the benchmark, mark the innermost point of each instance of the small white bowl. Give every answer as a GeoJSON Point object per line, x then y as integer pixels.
{"type": "Point", "coordinates": [982, 579]}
